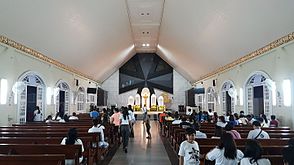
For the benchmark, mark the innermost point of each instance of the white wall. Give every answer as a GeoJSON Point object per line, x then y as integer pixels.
{"type": "Point", "coordinates": [14, 63]}
{"type": "Point", "coordinates": [278, 64]}
{"type": "Point", "coordinates": [111, 85]}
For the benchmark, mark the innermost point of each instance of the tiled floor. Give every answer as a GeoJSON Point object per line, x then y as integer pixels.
{"type": "Point", "coordinates": [142, 151]}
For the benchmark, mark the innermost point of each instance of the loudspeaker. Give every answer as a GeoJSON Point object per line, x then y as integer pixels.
{"type": "Point", "coordinates": [214, 83]}
{"type": "Point", "coordinates": [77, 82]}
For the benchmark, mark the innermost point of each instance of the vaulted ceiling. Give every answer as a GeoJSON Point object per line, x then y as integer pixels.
{"type": "Point", "coordinates": [98, 36]}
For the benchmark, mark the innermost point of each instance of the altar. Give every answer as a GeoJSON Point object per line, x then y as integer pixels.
{"type": "Point", "coordinates": [152, 102]}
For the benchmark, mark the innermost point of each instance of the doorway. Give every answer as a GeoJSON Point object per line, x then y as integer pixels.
{"type": "Point", "coordinates": [31, 102]}
{"type": "Point", "coordinates": [258, 100]}
{"type": "Point", "coordinates": [228, 103]}
{"type": "Point", "coordinates": [61, 102]}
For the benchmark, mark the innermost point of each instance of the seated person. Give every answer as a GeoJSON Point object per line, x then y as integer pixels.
{"type": "Point", "coordinates": [252, 154]}
{"type": "Point", "coordinates": [221, 122]}
{"type": "Point", "coordinates": [219, 154]}
{"type": "Point", "coordinates": [229, 129]}
{"type": "Point", "coordinates": [177, 120]}
{"type": "Point", "coordinates": [48, 119]}
{"type": "Point", "coordinates": [73, 117]}
{"type": "Point", "coordinates": [72, 138]}
{"type": "Point", "coordinates": [97, 127]}
{"type": "Point", "coordinates": [57, 116]}
{"type": "Point", "coordinates": [189, 112]}
{"type": "Point", "coordinates": [184, 124]}
{"type": "Point", "coordinates": [274, 122]}
{"type": "Point", "coordinates": [38, 116]}
{"type": "Point", "coordinates": [199, 134]}
{"type": "Point", "coordinates": [257, 133]}
{"type": "Point", "coordinates": [243, 120]}
{"type": "Point", "coordinates": [288, 155]}
{"type": "Point", "coordinates": [291, 142]}
{"type": "Point", "coordinates": [233, 121]}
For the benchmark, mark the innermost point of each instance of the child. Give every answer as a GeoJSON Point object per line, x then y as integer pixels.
{"type": "Point", "coordinates": [147, 123]}
{"type": "Point", "coordinates": [189, 150]}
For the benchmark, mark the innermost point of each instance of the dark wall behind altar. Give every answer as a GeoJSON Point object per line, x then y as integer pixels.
{"type": "Point", "coordinates": [146, 70]}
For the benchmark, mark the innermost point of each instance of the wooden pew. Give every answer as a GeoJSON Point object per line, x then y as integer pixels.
{"type": "Point", "coordinates": [44, 159]}
{"type": "Point", "coordinates": [70, 151]}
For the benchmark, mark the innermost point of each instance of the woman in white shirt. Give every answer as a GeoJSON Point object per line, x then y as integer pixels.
{"type": "Point", "coordinates": [98, 128]}
{"type": "Point", "coordinates": [226, 153]}
{"type": "Point", "coordinates": [125, 120]}
{"type": "Point", "coordinates": [252, 154]}
{"type": "Point", "coordinates": [72, 138]}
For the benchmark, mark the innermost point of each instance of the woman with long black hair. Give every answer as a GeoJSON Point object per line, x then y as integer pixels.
{"type": "Point", "coordinates": [72, 138]}
{"type": "Point", "coordinates": [125, 124]}
{"type": "Point", "coordinates": [252, 154]}
{"type": "Point", "coordinates": [226, 152]}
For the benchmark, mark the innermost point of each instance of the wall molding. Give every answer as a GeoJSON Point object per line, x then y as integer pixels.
{"type": "Point", "coordinates": [42, 57]}
{"type": "Point", "coordinates": [283, 40]}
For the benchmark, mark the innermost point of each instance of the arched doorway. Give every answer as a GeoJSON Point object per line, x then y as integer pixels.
{"type": "Point", "coordinates": [210, 99]}
{"type": "Point", "coordinates": [81, 99]}
{"type": "Point", "coordinates": [62, 97]}
{"type": "Point", "coordinates": [258, 94]}
{"type": "Point", "coordinates": [30, 94]}
{"type": "Point", "coordinates": [228, 97]}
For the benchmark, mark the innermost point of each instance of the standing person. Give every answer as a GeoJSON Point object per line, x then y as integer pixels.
{"type": "Point", "coordinates": [98, 127]}
{"type": "Point", "coordinates": [133, 120]}
{"type": "Point", "coordinates": [252, 154]}
{"type": "Point", "coordinates": [189, 150]}
{"type": "Point", "coordinates": [72, 138]}
{"type": "Point", "coordinates": [257, 133]}
{"type": "Point", "coordinates": [38, 115]}
{"type": "Point", "coordinates": [226, 153]}
{"type": "Point", "coordinates": [125, 123]}
{"type": "Point", "coordinates": [148, 126]}
{"type": "Point", "coordinates": [114, 119]}
{"type": "Point", "coordinates": [144, 110]}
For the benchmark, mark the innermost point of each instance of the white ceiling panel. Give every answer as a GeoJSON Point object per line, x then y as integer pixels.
{"type": "Point", "coordinates": [98, 36]}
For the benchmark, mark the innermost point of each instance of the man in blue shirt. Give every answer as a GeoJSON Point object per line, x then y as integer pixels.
{"type": "Point", "coordinates": [94, 114]}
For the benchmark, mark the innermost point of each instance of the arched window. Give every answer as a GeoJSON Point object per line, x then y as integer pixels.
{"type": "Point", "coordinates": [210, 98]}
{"type": "Point", "coordinates": [200, 100]}
{"type": "Point", "coordinates": [30, 93]}
{"type": "Point", "coordinates": [228, 97]}
{"type": "Point", "coordinates": [62, 97]}
{"type": "Point", "coordinates": [81, 99]}
{"type": "Point", "coordinates": [258, 94]}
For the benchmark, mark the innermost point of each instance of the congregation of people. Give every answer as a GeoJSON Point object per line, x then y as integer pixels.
{"type": "Point", "coordinates": [226, 130]}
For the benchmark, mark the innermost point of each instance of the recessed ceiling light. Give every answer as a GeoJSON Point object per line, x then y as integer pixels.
{"type": "Point", "coordinates": [147, 45]}
{"type": "Point", "coordinates": [143, 45]}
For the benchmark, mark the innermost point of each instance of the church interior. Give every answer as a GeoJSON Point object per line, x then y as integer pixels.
{"type": "Point", "coordinates": [138, 82]}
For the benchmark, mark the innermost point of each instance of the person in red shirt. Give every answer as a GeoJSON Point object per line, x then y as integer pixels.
{"type": "Point", "coordinates": [161, 117]}
{"type": "Point", "coordinates": [274, 122]}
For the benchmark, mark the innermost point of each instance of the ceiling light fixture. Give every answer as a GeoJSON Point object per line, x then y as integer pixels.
{"type": "Point", "coordinates": [143, 45]}
{"type": "Point", "coordinates": [147, 45]}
